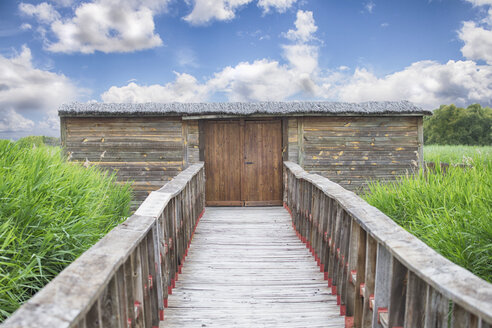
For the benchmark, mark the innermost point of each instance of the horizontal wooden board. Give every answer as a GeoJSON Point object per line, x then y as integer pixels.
{"type": "Point", "coordinates": [122, 139]}
{"type": "Point", "coordinates": [127, 145]}
{"type": "Point", "coordinates": [129, 156]}
{"type": "Point", "coordinates": [120, 120]}
{"type": "Point", "coordinates": [347, 121]}
{"type": "Point", "coordinates": [148, 151]}
{"type": "Point", "coordinates": [354, 150]}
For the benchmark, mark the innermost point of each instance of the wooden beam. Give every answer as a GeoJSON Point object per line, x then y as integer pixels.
{"type": "Point", "coordinates": [420, 134]}
{"type": "Point", "coordinates": [300, 141]}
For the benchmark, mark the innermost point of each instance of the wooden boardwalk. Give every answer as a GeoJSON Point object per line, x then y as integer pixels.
{"type": "Point", "coordinates": [247, 268]}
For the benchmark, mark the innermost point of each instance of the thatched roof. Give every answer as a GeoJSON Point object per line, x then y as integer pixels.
{"type": "Point", "coordinates": [243, 109]}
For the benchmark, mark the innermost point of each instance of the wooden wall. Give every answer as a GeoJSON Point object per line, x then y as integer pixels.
{"type": "Point", "coordinates": [149, 151]}
{"type": "Point", "coordinates": [192, 143]}
{"type": "Point", "coordinates": [293, 140]}
{"type": "Point", "coordinates": [351, 150]}
{"type": "Point", "coordinates": [152, 150]}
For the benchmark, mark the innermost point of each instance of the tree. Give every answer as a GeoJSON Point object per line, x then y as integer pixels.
{"type": "Point", "coordinates": [451, 125]}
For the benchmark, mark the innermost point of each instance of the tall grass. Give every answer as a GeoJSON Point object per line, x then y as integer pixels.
{"type": "Point", "coordinates": [51, 211]}
{"type": "Point", "coordinates": [451, 212]}
{"type": "Point", "coordinates": [455, 154]}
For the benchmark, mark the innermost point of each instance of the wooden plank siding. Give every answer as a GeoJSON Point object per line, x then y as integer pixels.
{"type": "Point", "coordinates": [192, 141]}
{"type": "Point", "coordinates": [293, 147]}
{"type": "Point", "coordinates": [352, 150]}
{"type": "Point", "coordinates": [149, 151]}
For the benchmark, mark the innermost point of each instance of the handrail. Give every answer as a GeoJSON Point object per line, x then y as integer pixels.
{"type": "Point", "coordinates": [383, 275]}
{"type": "Point", "coordinates": [124, 279]}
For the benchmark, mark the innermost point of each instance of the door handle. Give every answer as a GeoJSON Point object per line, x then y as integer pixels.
{"type": "Point", "coordinates": [248, 163]}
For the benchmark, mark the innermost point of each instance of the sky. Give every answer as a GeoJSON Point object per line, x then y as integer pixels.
{"type": "Point", "coordinates": [430, 52]}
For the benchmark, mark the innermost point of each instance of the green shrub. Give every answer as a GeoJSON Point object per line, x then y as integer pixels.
{"type": "Point", "coordinates": [451, 125]}
{"type": "Point", "coordinates": [51, 211]}
{"type": "Point", "coordinates": [451, 212]}
{"type": "Point", "coordinates": [37, 141]}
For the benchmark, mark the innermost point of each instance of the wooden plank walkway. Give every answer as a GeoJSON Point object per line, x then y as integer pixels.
{"type": "Point", "coordinates": [247, 268]}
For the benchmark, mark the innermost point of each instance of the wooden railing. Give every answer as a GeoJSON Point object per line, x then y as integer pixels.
{"type": "Point", "coordinates": [124, 280]}
{"type": "Point", "coordinates": [382, 275]}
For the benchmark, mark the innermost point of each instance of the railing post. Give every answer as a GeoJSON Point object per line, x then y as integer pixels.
{"type": "Point", "coordinates": [436, 309]}
{"type": "Point", "coordinates": [397, 296]}
{"type": "Point", "coordinates": [369, 280]}
{"type": "Point", "coordinates": [381, 287]}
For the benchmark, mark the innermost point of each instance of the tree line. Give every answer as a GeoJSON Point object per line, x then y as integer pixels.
{"type": "Point", "coordinates": [451, 125]}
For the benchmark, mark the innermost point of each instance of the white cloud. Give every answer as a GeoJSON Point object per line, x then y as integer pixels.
{"type": "Point", "coordinates": [302, 58]}
{"type": "Point", "coordinates": [260, 80]}
{"type": "Point", "coordinates": [186, 58]}
{"type": "Point", "coordinates": [206, 11]}
{"type": "Point", "coordinates": [478, 42]}
{"type": "Point", "coordinates": [427, 83]}
{"type": "Point", "coordinates": [101, 25]}
{"type": "Point", "coordinates": [43, 12]}
{"type": "Point", "coordinates": [11, 121]}
{"type": "Point", "coordinates": [63, 3]}
{"type": "Point", "coordinates": [184, 89]}
{"type": "Point", "coordinates": [279, 5]}
{"type": "Point", "coordinates": [477, 37]}
{"type": "Point", "coordinates": [26, 27]}
{"type": "Point", "coordinates": [26, 91]}
{"type": "Point", "coordinates": [370, 6]}
{"type": "Point", "coordinates": [305, 27]}
{"type": "Point", "coordinates": [480, 2]}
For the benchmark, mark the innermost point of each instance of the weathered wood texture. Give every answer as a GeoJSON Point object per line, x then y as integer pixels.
{"type": "Point", "coordinates": [293, 147]}
{"type": "Point", "coordinates": [223, 162]}
{"type": "Point", "coordinates": [262, 164]}
{"type": "Point", "coordinates": [149, 151]}
{"type": "Point", "coordinates": [240, 274]}
{"type": "Point", "coordinates": [243, 162]}
{"type": "Point", "coordinates": [352, 150]}
{"type": "Point", "coordinates": [123, 280]}
{"type": "Point", "coordinates": [192, 141]}
{"type": "Point", "coordinates": [383, 276]}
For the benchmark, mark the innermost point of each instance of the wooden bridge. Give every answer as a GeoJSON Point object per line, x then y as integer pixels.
{"type": "Point", "coordinates": [327, 260]}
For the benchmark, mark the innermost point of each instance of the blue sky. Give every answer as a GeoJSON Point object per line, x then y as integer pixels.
{"type": "Point", "coordinates": [430, 52]}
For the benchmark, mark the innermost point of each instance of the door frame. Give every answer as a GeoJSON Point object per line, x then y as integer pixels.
{"type": "Point", "coordinates": [242, 120]}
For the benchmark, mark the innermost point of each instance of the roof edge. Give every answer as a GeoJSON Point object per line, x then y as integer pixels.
{"type": "Point", "coordinates": [293, 108]}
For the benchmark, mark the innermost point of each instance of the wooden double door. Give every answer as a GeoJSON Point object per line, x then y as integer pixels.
{"type": "Point", "coordinates": [243, 162]}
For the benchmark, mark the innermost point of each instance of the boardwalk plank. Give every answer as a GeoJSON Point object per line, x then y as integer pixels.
{"type": "Point", "coordinates": [246, 268]}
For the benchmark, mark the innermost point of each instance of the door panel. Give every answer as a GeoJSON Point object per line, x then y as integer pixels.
{"type": "Point", "coordinates": [223, 163]}
{"type": "Point", "coordinates": [243, 163]}
{"type": "Point", "coordinates": [262, 166]}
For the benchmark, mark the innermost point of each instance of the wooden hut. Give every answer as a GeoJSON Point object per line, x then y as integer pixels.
{"type": "Point", "coordinates": [243, 144]}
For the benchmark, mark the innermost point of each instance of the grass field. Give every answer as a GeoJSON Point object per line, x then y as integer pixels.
{"type": "Point", "coordinates": [51, 211]}
{"type": "Point", "coordinates": [456, 154]}
{"type": "Point", "coordinates": [451, 212]}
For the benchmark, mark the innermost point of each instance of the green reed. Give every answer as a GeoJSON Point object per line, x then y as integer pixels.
{"type": "Point", "coordinates": [455, 154]}
{"type": "Point", "coordinates": [450, 211]}
{"type": "Point", "coordinates": [51, 211]}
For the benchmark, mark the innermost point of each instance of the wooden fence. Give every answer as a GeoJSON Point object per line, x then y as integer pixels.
{"type": "Point", "coordinates": [124, 280]}
{"type": "Point", "coordinates": [432, 166]}
{"type": "Point", "coordinates": [382, 275]}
